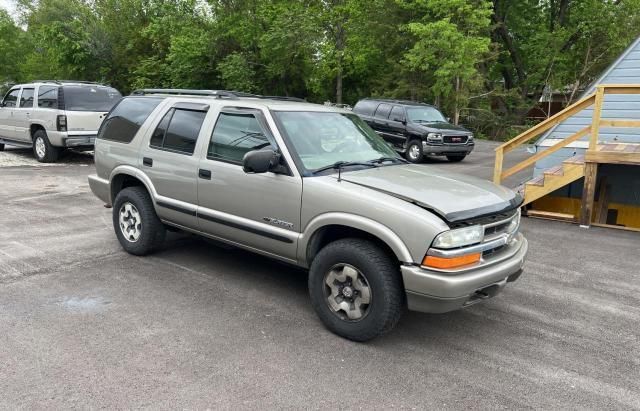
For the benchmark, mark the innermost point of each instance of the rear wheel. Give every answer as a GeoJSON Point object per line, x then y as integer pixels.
{"type": "Point", "coordinates": [456, 158]}
{"type": "Point", "coordinates": [42, 148]}
{"type": "Point", "coordinates": [138, 228]}
{"type": "Point", "coordinates": [1, 147]}
{"type": "Point", "coordinates": [414, 151]}
{"type": "Point", "coordinates": [355, 289]}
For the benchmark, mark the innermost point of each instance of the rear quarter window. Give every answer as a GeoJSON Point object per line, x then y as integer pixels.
{"type": "Point", "coordinates": [365, 107]}
{"type": "Point", "coordinates": [126, 118]}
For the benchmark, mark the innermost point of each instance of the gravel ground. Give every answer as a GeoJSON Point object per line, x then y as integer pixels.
{"type": "Point", "coordinates": [198, 325]}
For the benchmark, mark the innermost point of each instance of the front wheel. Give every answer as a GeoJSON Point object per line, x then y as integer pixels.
{"type": "Point", "coordinates": [355, 289]}
{"type": "Point", "coordinates": [414, 151]}
{"type": "Point", "coordinates": [42, 148]}
{"type": "Point", "coordinates": [138, 228]}
{"type": "Point", "coordinates": [456, 158]}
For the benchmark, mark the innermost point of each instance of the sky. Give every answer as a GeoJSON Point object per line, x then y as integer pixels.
{"type": "Point", "coordinates": [10, 5]}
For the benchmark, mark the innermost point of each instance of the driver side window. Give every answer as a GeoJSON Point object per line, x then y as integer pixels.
{"type": "Point", "coordinates": [11, 98]}
{"type": "Point", "coordinates": [234, 135]}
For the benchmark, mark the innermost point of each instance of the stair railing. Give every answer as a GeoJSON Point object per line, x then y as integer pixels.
{"type": "Point", "coordinates": [593, 129]}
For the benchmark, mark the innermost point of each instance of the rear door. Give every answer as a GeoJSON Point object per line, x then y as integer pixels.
{"type": "Point", "coordinates": [22, 115]}
{"type": "Point", "coordinates": [168, 159]}
{"type": "Point", "coordinates": [396, 133]}
{"type": "Point", "coordinates": [7, 113]}
{"type": "Point", "coordinates": [261, 211]}
{"type": "Point", "coordinates": [381, 120]}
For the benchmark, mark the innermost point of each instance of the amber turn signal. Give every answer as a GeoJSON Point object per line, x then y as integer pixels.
{"type": "Point", "coordinates": [453, 262]}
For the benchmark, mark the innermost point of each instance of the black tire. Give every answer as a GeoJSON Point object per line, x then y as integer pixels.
{"type": "Point", "coordinates": [456, 158]}
{"type": "Point", "coordinates": [414, 153]}
{"type": "Point", "coordinates": [151, 232]}
{"type": "Point", "coordinates": [384, 282]}
{"type": "Point", "coordinates": [50, 153]}
{"type": "Point", "coordinates": [1, 147]}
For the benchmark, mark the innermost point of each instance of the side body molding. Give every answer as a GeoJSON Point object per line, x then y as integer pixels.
{"type": "Point", "coordinates": [372, 227]}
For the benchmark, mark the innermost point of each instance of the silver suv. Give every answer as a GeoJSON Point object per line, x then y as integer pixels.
{"type": "Point", "coordinates": [51, 115]}
{"type": "Point", "coordinates": [313, 186]}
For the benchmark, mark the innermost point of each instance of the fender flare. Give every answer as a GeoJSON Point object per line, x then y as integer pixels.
{"type": "Point", "coordinates": [382, 232]}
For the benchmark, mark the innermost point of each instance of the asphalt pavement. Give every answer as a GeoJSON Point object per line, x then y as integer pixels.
{"type": "Point", "coordinates": [198, 325]}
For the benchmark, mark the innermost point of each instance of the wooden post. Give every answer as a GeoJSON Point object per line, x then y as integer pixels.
{"type": "Point", "coordinates": [497, 171]}
{"type": "Point", "coordinates": [595, 122]}
{"type": "Point", "coordinates": [588, 193]}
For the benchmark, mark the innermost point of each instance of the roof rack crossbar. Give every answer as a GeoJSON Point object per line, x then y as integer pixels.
{"type": "Point", "coordinates": [211, 93]}
{"type": "Point", "coordinates": [66, 81]}
{"type": "Point", "coordinates": [185, 92]}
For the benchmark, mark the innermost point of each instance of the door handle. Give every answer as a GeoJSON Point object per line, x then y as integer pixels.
{"type": "Point", "coordinates": [147, 161]}
{"type": "Point", "coordinates": [205, 174]}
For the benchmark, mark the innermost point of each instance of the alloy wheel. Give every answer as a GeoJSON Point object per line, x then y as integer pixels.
{"type": "Point", "coordinates": [347, 292]}
{"type": "Point", "coordinates": [130, 222]}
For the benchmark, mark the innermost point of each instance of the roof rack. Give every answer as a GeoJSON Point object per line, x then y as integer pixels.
{"type": "Point", "coordinates": [233, 95]}
{"type": "Point", "coordinates": [67, 81]}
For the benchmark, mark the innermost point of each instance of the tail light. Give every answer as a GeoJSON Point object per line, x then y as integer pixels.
{"type": "Point", "coordinates": [61, 123]}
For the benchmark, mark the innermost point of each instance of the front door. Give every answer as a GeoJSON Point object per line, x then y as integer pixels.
{"type": "Point", "coordinates": [260, 211]}
{"type": "Point", "coordinates": [22, 115]}
{"type": "Point", "coordinates": [7, 119]}
{"type": "Point", "coordinates": [396, 133]}
{"type": "Point", "coordinates": [167, 158]}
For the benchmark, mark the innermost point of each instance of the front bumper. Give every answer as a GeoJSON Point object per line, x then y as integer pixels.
{"type": "Point", "coordinates": [443, 149]}
{"type": "Point", "coordinates": [438, 292]}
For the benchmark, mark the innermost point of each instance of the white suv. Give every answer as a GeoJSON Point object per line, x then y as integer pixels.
{"type": "Point", "coordinates": [51, 115]}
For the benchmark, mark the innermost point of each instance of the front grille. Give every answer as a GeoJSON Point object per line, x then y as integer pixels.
{"type": "Point", "coordinates": [455, 139]}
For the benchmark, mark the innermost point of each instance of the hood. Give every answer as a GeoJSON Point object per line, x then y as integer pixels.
{"type": "Point", "coordinates": [454, 197]}
{"type": "Point", "coordinates": [440, 127]}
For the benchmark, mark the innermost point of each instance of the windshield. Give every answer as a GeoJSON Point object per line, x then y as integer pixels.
{"type": "Point", "coordinates": [90, 98]}
{"type": "Point", "coordinates": [323, 138]}
{"type": "Point", "coordinates": [425, 115]}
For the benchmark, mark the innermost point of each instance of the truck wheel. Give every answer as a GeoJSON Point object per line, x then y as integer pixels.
{"type": "Point", "coordinates": [42, 148]}
{"type": "Point", "coordinates": [136, 223]}
{"type": "Point", "coordinates": [355, 289]}
{"type": "Point", "coordinates": [456, 158]}
{"type": "Point", "coordinates": [1, 147]}
{"type": "Point", "coordinates": [414, 151]}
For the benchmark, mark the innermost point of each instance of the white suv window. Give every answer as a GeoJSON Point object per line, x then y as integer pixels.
{"type": "Point", "coordinates": [26, 99]}
{"type": "Point", "coordinates": [11, 98]}
{"type": "Point", "coordinates": [48, 97]}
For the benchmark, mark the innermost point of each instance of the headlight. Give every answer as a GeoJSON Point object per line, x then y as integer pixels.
{"type": "Point", "coordinates": [459, 237]}
{"type": "Point", "coordinates": [434, 137]}
{"type": "Point", "coordinates": [470, 137]}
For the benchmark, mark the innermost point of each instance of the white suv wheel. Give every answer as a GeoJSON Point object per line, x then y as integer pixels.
{"type": "Point", "coordinates": [41, 148]}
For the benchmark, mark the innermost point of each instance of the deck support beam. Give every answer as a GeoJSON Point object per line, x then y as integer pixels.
{"type": "Point", "coordinates": [588, 193]}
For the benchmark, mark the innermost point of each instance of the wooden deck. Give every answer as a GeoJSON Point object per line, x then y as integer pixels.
{"type": "Point", "coordinates": [614, 153]}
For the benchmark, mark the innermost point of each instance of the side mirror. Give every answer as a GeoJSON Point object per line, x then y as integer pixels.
{"type": "Point", "coordinates": [448, 119]}
{"type": "Point", "coordinates": [260, 161]}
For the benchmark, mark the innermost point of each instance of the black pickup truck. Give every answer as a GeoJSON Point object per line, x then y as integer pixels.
{"type": "Point", "coordinates": [415, 129]}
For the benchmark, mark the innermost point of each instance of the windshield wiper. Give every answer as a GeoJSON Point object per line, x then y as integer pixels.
{"type": "Point", "coordinates": [339, 164]}
{"type": "Point", "coordinates": [383, 159]}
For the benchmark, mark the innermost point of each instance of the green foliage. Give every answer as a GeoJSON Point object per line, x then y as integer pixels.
{"type": "Point", "coordinates": [484, 61]}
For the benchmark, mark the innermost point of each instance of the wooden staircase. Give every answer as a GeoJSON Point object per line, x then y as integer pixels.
{"type": "Point", "coordinates": [554, 178]}
{"type": "Point", "coordinates": [578, 166]}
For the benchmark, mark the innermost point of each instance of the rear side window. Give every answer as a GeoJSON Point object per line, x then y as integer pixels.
{"type": "Point", "coordinates": [26, 99]}
{"type": "Point", "coordinates": [178, 130]}
{"type": "Point", "coordinates": [383, 111]}
{"type": "Point", "coordinates": [124, 121]}
{"type": "Point", "coordinates": [236, 134]}
{"type": "Point", "coordinates": [11, 98]}
{"type": "Point", "coordinates": [365, 107]}
{"type": "Point", "coordinates": [48, 97]}
{"type": "Point", "coordinates": [90, 98]}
